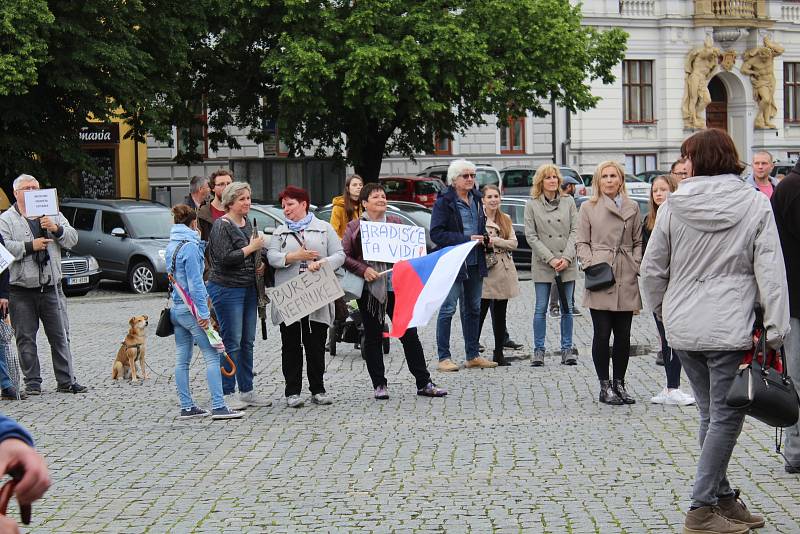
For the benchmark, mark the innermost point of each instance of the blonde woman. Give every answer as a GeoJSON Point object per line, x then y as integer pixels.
{"type": "Point", "coordinates": [502, 283]}
{"type": "Point", "coordinates": [610, 231]}
{"type": "Point", "coordinates": [550, 227]}
{"type": "Point", "coordinates": [346, 207]}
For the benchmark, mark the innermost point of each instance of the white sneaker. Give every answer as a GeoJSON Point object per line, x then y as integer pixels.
{"type": "Point", "coordinates": [321, 398]}
{"type": "Point", "coordinates": [680, 398]}
{"type": "Point", "coordinates": [251, 399]}
{"type": "Point", "coordinates": [662, 397]}
{"type": "Point", "coordinates": [294, 401]}
{"type": "Point", "coordinates": [233, 403]}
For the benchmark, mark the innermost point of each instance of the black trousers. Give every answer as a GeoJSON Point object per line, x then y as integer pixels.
{"type": "Point", "coordinates": [310, 335]}
{"type": "Point", "coordinates": [499, 308]}
{"type": "Point", "coordinates": [373, 346]}
{"type": "Point", "coordinates": [605, 322]}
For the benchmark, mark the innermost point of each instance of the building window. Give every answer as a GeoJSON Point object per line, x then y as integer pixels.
{"type": "Point", "coordinates": [637, 91]}
{"type": "Point", "coordinates": [197, 133]}
{"type": "Point", "coordinates": [442, 145]}
{"type": "Point", "coordinates": [512, 136]}
{"type": "Point", "coordinates": [791, 92]}
{"type": "Point", "coordinates": [636, 163]}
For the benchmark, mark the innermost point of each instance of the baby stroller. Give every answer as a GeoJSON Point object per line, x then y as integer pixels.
{"type": "Point", "coordinates": [351, 330]}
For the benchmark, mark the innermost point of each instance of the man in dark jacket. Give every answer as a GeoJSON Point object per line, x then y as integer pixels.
{"type": "Point", "coordinates": [786, 207]}
{"type": "Point", "coordinates": [198, 192]}
{"type": "Point", "coordinates": [458, 218]}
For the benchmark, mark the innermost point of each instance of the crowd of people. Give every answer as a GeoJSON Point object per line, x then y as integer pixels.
{"type": "Point", "coordinates": [716, 257]}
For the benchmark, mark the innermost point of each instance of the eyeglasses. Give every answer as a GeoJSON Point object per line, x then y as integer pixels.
{"type": "Point", "coordinates": [468, 175]}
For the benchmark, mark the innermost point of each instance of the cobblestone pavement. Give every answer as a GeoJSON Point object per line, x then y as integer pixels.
{"type": "Point", "coordinates": [515, 449]}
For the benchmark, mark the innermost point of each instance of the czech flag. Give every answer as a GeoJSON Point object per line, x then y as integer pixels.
{"type": "Point", "coordinates": [421, 285]}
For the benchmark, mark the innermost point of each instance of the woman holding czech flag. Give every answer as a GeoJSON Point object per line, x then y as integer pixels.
{"type": "Point", "coordinates": [377, 301]}
{"type": "Point", "coordinates": [184, 257]}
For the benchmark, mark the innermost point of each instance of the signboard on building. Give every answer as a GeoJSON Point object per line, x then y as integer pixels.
{"type": "Point", "coordinates": [100, 134]}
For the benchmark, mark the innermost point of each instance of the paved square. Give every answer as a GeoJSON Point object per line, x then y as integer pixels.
{"type": "Point", "coordinates": [514, 449]}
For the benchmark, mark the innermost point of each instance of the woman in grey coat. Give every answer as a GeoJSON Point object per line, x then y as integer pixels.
{"type": "Point", "coordinates": [551, 221]}
{"type": "Point", "coordinates": [303, 244]}
{"type": "Point", "coordinates": [713, 256]}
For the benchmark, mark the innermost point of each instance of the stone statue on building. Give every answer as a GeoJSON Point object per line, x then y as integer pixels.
{"type": "Point", "coordinates": [700, 65]}
{"type": "Point", "coordinates": [758, 64]}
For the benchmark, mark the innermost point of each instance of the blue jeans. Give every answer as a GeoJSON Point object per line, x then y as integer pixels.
{"type": "Point", "coordinates": [187, 333]}
{"type": "Point", "coordinates": [237, 312]}
{"type": "Point", "coordinates": [469, 293]}
{"type": "Point", "coordinates": [5, 377]}
{"type": "Point", "coordinates": [542, 290]}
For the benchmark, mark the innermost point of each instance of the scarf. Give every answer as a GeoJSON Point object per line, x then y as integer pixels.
{"type": "Point", "coordinates": [301, 225]}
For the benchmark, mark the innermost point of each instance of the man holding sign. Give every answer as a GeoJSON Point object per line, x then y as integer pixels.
{"type": "Point", "coordinates": [35, 237]}
{"type": "Point", "coordinates": [368, 250]}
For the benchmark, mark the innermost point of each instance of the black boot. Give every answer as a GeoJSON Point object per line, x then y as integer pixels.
{"type": "Point", "coordinates": [619, 388]}
{"type": "Point", "coordinates": [500, 359]}
{"type": "Point", "coordinates": [608, 395]}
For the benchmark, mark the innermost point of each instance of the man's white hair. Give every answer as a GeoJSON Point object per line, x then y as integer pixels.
{"type": "Point", "coordinates": [457, 168]}
{"type": "Point", "coordinates": [23, 178]}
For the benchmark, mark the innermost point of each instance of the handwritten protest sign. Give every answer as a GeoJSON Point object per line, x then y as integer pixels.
{"type": "Point", "coordinates": [305, 293]}
{"type": "Point", "coordinates": [40, 202]}
{"type": "Point", "coordinates": [6, 258]}
{"type": "Point", "coordinates": [390, 243]}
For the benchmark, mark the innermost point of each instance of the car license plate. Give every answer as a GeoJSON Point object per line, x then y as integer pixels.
{"type": "Point", "coordinates": [78, 280]}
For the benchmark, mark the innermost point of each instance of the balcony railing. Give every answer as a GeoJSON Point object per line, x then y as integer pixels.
{"type": "Point", "coordinates": [739, 13]}
{"type": "Point", "coordinates": [743, 9]}
{"type": "Point", "coordinates": [637, 8]}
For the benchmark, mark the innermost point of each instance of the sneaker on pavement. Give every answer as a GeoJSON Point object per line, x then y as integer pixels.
{"type": "Point", "coordinates": [576, 311]}
{"type": "Point", "coordinates": [513, 345]}
{"type": "Point", "coordinates": [555, 312]}
{"type": "Point", "coordinates": [707, 520]}
{"type": "Point", "coordinates": [734, 510]}
{"type": "Point", "coordinates": [225, 413]}
{"type": "Point", "coordinates": [791, 469]}
{"type": "Point", "coordinates": [537, 360]}
{"type": "Point", "coordinates": [71, 388]}
{"type": "Point", "coordinates": [10, 393]}
{"type": "Point", "coordinates": [193, 412]}
{"type": "Point", "coordinates": [662, 397]}
{"type": "Point", "coordinates": [680, 398]}
{"type": "Point", "coordinates": [431, 390]}
{"type": "Point", "coordinates": [321, 398]}
{"type": "Point", "coordinates": [381, 393]}
{"type": "Point", "coordinates": [33, 389]}
{"type": "Point", "coordinates": [252, 399]}
{"type": "Point", "coordinates": [294, 401]}
{"type": "Point", "coordinates": [567, 357]}
{"type": "Point", "coordinates": [480, 363]}
{"type": "Point", "coordinates": [447, 366]}
{"type": "Point", "coordinates": [233, 403]}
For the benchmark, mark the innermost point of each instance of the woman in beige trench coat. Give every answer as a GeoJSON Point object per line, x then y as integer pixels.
{"type": "Point", "coordinates": [610, 231]}
{"type": "Point", "coordinates": [502, 283]}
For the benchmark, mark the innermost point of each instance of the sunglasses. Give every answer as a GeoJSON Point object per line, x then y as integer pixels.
{"type": "Point", "coordinates": [468, 175]}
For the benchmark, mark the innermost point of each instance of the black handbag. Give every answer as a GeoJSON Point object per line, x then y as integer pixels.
{"type": "Point", "coordinates": [165, 328]}
{"type": "Point", "coordinates": [601, 275]}
{"type": "Point", "coordinates": [763, 392]}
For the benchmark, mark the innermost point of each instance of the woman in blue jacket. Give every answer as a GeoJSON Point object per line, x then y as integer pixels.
{"type": "Point", "coordinates": [184, 257]}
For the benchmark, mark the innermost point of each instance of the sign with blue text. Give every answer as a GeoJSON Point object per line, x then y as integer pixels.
{"type": "Point", "coordinates": [390, 242]}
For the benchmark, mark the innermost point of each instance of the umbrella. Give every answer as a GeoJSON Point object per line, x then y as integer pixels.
{"type": "Point", "coordinates": [213, 336]}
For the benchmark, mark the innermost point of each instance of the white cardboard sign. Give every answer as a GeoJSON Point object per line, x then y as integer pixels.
{"type": "Point", "coordinates": [40, 202]}
{"type": "Point", "coordinates": [390, 242]}
{"type": "Point", "coordinates": [6, 258]}
{"type": "Point", "coordinates": [305, 293]}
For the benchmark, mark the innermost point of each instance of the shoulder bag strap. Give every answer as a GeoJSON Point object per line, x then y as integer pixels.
{"type": "Point", "coordinates": [174, 261]}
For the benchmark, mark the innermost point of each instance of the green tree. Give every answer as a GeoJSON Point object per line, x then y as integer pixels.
{"type": "Point", "coordinates": [363, 79]}
{"type": "Point", "coordinates": [22, 44]}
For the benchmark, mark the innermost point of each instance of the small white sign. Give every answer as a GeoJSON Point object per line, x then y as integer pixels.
{"type": "Point", "coordinates": [390, 242]}
{"type": "Point", "coordinates": [40, 202]}
{"type": "Point", "coordinates": [6, 258]}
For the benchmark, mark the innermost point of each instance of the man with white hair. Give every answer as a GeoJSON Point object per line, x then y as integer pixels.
{"type": "Point", "coordinates": [35, 295]}
{"type": "Point", "coordinates": [458, 218]}
{"type": "Point", "coordinates": [198, 192]}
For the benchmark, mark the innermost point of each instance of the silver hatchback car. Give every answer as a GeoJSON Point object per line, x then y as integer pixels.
{"type": "Point", "coordinates": [127, 237]}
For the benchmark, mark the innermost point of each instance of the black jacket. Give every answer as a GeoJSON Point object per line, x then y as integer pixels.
{"type": "Point", "coordinates": [447, 229]}
{"type": "Point", "coordinates": [786, 206]}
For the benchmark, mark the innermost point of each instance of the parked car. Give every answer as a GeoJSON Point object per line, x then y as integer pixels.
{"type": "Point", "coordinates": [643, 201]}
{"type": "Point", "coordinates": [409, 212]}
{"type": "Point", "coordinates": [418, 189]}
{"type": "Point", "coordinates": [782, 167]}
{"type": "Point", "coordinates": [485, 174]}
{"type": "Point", "coordinates": [649, 176]}
{"type": "Point", "coordinates": [514, 207]}
{"type": "Point", "coordinates": [635, 186]}
{"type": "Point", "coordinates": [127, 237]}
{"type": "Point", "coordinates": [517, 180]}
{"type": "Point", "coordinates": [79, 274]}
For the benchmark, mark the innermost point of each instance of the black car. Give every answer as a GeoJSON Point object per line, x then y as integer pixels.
{"type": "Point", "coordinates": [79, 274]}
{"type": "Point", "coordinates": [514, 207]}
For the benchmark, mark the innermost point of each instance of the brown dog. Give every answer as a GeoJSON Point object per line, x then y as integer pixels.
{"type": "Point", "coordinates": [131, 351]}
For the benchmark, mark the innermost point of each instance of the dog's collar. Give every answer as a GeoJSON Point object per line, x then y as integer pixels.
{"type": "Point", "coordinates": [137, 346]}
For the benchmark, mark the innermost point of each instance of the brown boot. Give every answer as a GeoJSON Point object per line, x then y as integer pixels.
{"type": "Point", "coordinates": [734, 509]}
{"type": "Point", "coordinates": [706, 520]}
